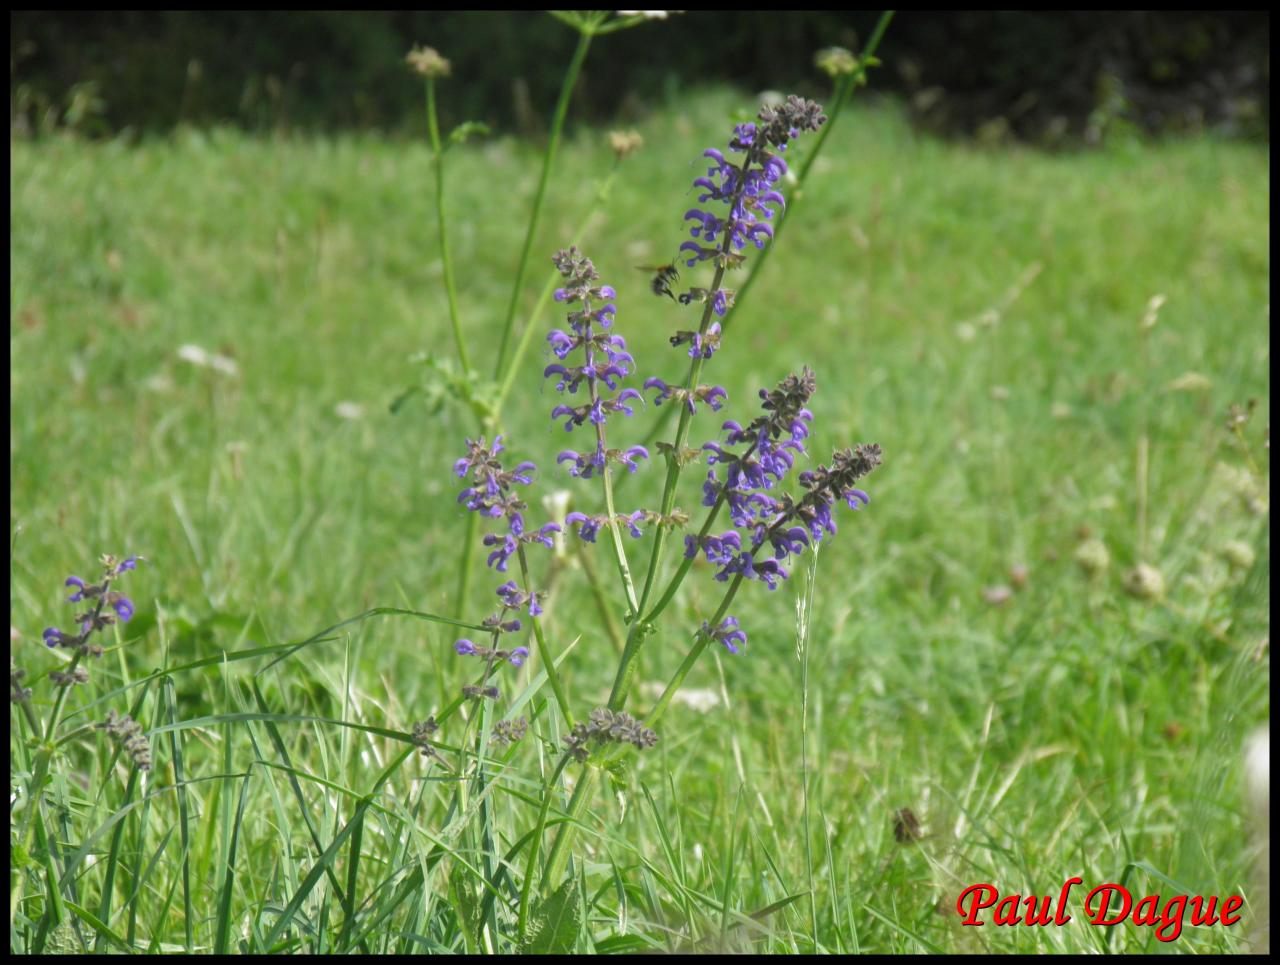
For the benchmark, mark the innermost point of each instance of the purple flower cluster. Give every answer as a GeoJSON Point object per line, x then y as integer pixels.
{"type": "Point", "coordinates": [750, 188]}
{"type": "Point", "coordinates": [605, 362]}
{"type": "Point", "coordinates": [727, 633]}
{"type": "Point", "coordinates": [100, 596]}
{"type": "Point", "coordinates": [588, 527]}
{"type": "Point", "coordinates": [712, 395]}
{"type": "Point", "coordinates": [778, 524]}
{"type": "Point", "coordinates": [490, 492]}
{"type": "Point", "coordinates": [466, 648]}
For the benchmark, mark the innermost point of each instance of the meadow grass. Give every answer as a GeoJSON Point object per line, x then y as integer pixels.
{"type": "Point", "coordinates": [974, 310]}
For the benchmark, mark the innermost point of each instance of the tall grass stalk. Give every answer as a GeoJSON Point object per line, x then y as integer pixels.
{"type": "Point", "coordinates": [804, 617]}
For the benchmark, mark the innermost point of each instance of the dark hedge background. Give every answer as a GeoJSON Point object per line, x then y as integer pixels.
{"type": "Point", "coordinates": [1046, 76]}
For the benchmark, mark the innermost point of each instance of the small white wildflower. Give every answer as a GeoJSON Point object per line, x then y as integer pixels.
{"type": "Point", "coordinates": [348, 410]}
{"type": "Point", "coordinates": [1153, 310]}
{"type": "Point", "coordinates": [1144, 582]}
{"type": "Point", "coordinates": [198, 356]}
{"type": "Point", "coordinates": [1092, 556]}
{"type": "Point", "coordinates": [1238, 554]}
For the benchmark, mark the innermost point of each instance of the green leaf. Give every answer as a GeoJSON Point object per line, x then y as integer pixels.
{"type": "Point", "coordinates": [555, 922]}
{"type": "Point", "coordinates": [466, 130]}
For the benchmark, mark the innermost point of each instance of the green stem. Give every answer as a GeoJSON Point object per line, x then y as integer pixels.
{"type": "Point", "coordinates": [535, 846]}
{"type": "Point", "coordinates": [687, 664]}
{"type": "Point", "coordinates": [606, 479]}
{"type": "Point", "coordinates": [602, 603]}
{"type": "Point", "coordinates": [559, 856]}
{"type": "Point", "coordinates": [844, 87]}
{"type": "Point", "coordinates": [464, 568]}
{"type": "Point", "coordinates": [637, 632]}
{"type": "Point", "coordinates": [674, 584]}
{"type": "Point", "coordinates": [548, 290]}
{"type": "Point", "coordinates": [445, 255]}
{"type": "Point", "coordinates": [544, 651]}
{"type": "Point", "coordinates": [557, 125]}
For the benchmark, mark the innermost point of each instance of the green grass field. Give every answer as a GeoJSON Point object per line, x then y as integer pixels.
{"type": "Point", "coordinates": [975, 311]}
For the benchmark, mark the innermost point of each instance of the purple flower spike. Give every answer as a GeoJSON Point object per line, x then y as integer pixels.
{"type": "Point", "coordinates": [518, 656]}
{"type": "Point", "coordinates": [52, 636]}
{"type": "Point", "coordinates": [78, 595]}
{"type": "Point", "coordinates": [464, 647]}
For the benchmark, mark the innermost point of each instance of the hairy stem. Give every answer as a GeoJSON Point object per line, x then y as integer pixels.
{"type": "Point", "coordinates": [536, 846]}
{"type": "Point", "coordinates": [446, 255]}
{"type": "Point", "coordinates": [559, 856]}
{"type": "Point", "coordinates": [602, 603]}
{"type": "Point", "coordinates": [548, 159]}
{"type": "Point", "coordinates": [544, 651]}
{"type": "Point", "coordinates": [548, 290]}
{"type": "Point", "coordinates": [844, 87]}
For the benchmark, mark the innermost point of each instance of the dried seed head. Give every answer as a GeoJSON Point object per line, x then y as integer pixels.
{"type": "Point", "coordinates": [427, 62]}
{"type": "Point", "coordinates": [835, 61]}
{"type": "Point", "coordinates": [1093, 557]}
{"type": "Point", "coordinates": [625, 143]}
{"type": "Point", "coordinates": [1144, 582]}
{"type": "Point", "coordinates": [906, 826]}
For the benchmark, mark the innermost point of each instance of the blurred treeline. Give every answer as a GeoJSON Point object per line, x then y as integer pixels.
{"type": "Point", "coordinates": [1048, 77]}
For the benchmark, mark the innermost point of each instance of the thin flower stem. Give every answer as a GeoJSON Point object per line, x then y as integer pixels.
{"type": "Point", "coordinates": [606, 480]}
{"type": "Point", "coordinates": [544, 652]}
{"type": "Point", "coordinates": [687, 664]}
{"type": "Point", "coordinates": [638, 629]}
{"type": "Point", "coordinates": [464, 567]}
{"type": "Point", "coordinates": [557, 125]}
{"type": "Point", "coordinates": [602, 603]}
{"type": "Point", "coordinates": [32, 720]}
{"type": "Point", "coordinates": [559, 856]}
{"type": "Point", "coordinates": [446, 257]}
{"type": "Point", "coordinates": [445, 254]}
{"type": "Point", "coordinates": [687, 563]}
{"type": "Point", "coordinates": [548, 290]}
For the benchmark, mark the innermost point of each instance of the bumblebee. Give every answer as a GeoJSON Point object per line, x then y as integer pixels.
{"type": "Point", "coordinates": [664, 275]}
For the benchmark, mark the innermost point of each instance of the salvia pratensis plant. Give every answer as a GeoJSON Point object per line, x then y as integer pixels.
{"type": "Point", "coordinates": [760, 506]}
{"type": "Point", "coordinates": [756, 501]}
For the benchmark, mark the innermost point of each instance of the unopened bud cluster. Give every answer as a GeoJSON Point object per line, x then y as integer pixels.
{"type": "Point", "coordinates": [17, 693]}
{"type": "Point", "coordinates": [605, 726]}
{"type": "Point", "coordinates": [509, 731]}
{"type": "Point", "coordinates": [128, 732]}
{"type": "Point", "coordinates": [422, 733]}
